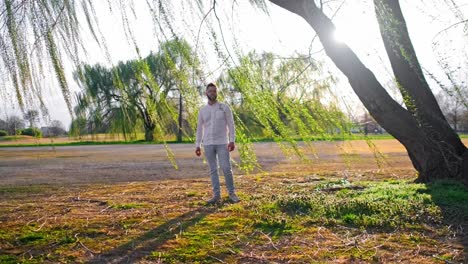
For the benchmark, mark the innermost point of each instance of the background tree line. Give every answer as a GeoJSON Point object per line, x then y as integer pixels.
{"type": "Point", "coordinates": [15, 125]}
{"type": "Point", "coordinates": [160, 95]}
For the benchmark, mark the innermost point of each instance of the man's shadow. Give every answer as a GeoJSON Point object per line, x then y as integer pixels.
{"type": "Point", "coordinates": [143, 245]}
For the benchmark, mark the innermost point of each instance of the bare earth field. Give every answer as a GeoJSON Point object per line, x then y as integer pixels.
{"type": "Point", "coordinates": [128, 163]}
{"type": "Point", "coordinates": [128, 204]}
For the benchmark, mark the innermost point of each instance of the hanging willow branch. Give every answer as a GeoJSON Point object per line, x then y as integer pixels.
{"type": "Point", "coordinates": [287, 100]}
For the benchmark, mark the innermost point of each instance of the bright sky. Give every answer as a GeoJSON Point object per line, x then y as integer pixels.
{"type": "Point", "coordinates": [282, 32]}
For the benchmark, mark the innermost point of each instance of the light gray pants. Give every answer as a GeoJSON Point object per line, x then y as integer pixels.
{"type": "Point", "coordinates": [215, 154]}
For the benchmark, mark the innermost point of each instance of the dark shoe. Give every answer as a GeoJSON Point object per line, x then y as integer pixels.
{"type": "Point", "coordinates": [214, 199]}
{"type": "Point", "coordinates": [233, 197]}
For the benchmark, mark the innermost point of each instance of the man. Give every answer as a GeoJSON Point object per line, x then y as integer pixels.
{"type": "Point", "coordinates": [215, 127]}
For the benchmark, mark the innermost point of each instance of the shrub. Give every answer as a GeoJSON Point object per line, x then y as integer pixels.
{"type": "Point", "coordinates": [35, 132]}
{"type": "Point", "coordinates": [3, 133]}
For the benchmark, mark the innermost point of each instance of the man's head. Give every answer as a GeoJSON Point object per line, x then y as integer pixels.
{"type": "Point", "coordinates": [211, 92]}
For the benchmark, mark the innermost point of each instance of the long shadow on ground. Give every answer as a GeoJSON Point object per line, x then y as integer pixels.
{"type": "Point", "coordinates": [452, 199]}
{"type": "Point", "coordinates": [142, 246]}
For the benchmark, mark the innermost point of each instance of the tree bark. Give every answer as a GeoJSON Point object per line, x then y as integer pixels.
{"type": "Point", "coordinates": [149, 127]}
{"type": "Point", "coordinates": [432, 161]}
{"type": "Point", "coordinates": [149, 131]}
{"type": "Point", "coordinates": [148, 123]}
{"type": "Point", "coordinates": [179, 132]}
{"type": "Point", "coordinates": [409, 75]}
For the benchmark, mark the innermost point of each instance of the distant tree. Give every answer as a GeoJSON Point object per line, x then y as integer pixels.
{"type": "Point", "coordinates": [368, 124]}
{"type": "Point", "coordinates": [3, 125]}
{"type": "Point", "coordinates": [137, 90]}
{"type": "Point", "coordinates": [78, 127]}
{"type": "Point", "coordinates": [32, 131]}
{"type": "Point", "coordinates": [455, 109]}
{"type": "Point", "coordinates": [56, 128]}
{"type": "Point", "coordinates": [14, 125]}
{"type": "Point", "coordinates": [32, 116]}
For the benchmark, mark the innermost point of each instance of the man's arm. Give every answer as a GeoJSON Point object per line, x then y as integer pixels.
{"type": "Point", "coordinates": [199, 134]}
{"type": "Point", "coordinates": [231, 128]}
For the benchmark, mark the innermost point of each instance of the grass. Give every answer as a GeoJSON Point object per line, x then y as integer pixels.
{"type": "Point", "coordinates": [380, 206]}
{"type": "Point", "coordinates": [87, 143]}
{"type": "Point", "coordinates": [280, 219]}
{"type": "Point", "coordinates": [97, 141]}
{"type": "Point", "coordinates": [333, 137]}
{"type": "Point", "coordinates": [13, 138]}
{"type": "Point", "coordinates": [126, 206]}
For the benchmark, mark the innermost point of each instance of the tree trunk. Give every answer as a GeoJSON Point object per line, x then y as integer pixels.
{"type": "Point", "coordinates": [432, 159]}
{"type": "Point", "coordinates": [408, 73]}
{"type": "Point", "coordinates": [149, 125]}
{"type": "Point", "coordinates": [179, 132]}
{"type": "Point", "coordinates": [148, 122]}
{"type": "Point", "coordinates": [455, 120]}
{"type": "Point", "coordinates": [149, 133]}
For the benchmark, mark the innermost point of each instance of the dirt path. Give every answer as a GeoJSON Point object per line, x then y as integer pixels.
{"type": "Point", "coordinates": [124, 163]}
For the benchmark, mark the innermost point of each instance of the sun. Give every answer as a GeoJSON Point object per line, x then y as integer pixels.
{"type": "Point", "coordinates": [357, 35]}
{"type": "Point", "coordinates": [341, 36]}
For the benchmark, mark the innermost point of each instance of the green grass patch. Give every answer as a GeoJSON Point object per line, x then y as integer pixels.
{"type": "Point", "coordinates": [191, 194]}
{"type": "Point", "coordinates": [123, 142]}
{"type": "Point", "coordinates": [9, 259]}
{"type": "Point", "coordinates": [448, 193]}
{"type": "Point", "coordinates": [31, 237]}
{"type": "Point", "coordinates": [127, 206]}
{"type": "Point", "coordinates": [87, 143]}
{"type": "Point", "coordinates": [341, 183]}
{"type": "Point", "coordinates": [212, 236]}
{"type": "Point", "coordinates": [379, 205]}
{"type": "Point", "coordinates": [24, 189]}
{"type": "Point", "coordinates": [13, 138]}
{"type": "Point", "coordinates": [332, 138]}
{"type": "Point", "coordinates": [452, 199]}
{"type": "Point", "coordinates": [187, 141]}
{"type": "Point", "coordinates": [276, 226]}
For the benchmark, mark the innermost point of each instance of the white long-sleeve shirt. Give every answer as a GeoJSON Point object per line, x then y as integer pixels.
{"type": "Point", "coordinates": [215, 125]}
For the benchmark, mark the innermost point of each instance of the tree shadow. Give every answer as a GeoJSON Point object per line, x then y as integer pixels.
{"type": "Point", "coordinates": [143, 245]}
{"type": "Point", "coordinates": [452, 199]}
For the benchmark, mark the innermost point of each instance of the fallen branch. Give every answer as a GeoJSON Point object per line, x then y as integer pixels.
{"type": "Point", "coordinates": [83, 245]}
{"type": "Point", "coordinates": [215, 258]}
{"type": "Point", "coordinates": [79, 199]}
{"type": "Point", "coordinates": [269, 238]}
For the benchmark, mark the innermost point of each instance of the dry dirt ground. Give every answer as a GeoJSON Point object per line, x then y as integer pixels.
{"type": "Point", "coordinates": [128, 163]}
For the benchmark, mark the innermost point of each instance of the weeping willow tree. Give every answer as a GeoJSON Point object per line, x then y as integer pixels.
{"type": "Point", "coordinates": [35, 35]}
{"type": "Point", "coordinates": [34, 30]}
{"type": "Point", "coordinates": [435, 150]}
{"type": "Point", "coordinates": [282, 99]}
{"type": "Point", "coordinates": [138, 91]}
{"type": "Point", "coordinates": [286, 98]}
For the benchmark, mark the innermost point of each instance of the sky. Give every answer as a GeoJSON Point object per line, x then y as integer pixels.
{"type": "Point", "coordinates": [281, 32]}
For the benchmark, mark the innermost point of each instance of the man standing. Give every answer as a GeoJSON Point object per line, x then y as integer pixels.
{"type": "Point", "coordinates": [215, 127]}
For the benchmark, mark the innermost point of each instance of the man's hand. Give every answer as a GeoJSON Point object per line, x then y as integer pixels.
{"type": "Point", "coordinates": [231, 146]}
{"type": "Point", "coordinates": [198, 151]}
